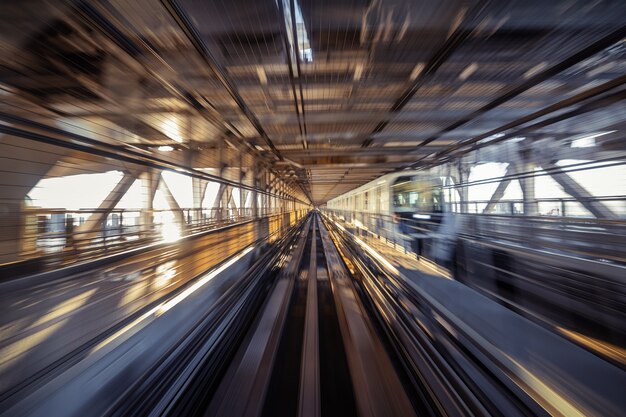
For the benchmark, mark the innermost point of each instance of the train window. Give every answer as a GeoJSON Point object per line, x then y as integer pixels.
{"type": "Point", "coordinates": [417, 194]}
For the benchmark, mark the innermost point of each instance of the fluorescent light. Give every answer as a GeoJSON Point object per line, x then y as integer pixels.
{"type": "Point", "coordinates": [262, 75]}
{"type": "Point", "coordinates": [589, 140]}
{"type": "Point", "coordinates": [171, 129]}
{"type": "Point", "coordinates": [166, 148]}
{"type": "Point", "coordinates": [422, 216]}
{"type": "Point", "coordinates": [492, 137]}
{"type": "Point", "coordinates": [602, 68]}
{"type": "Point", "coordinates": [358, 71]}
{"type": "Point", "coordinates": [468, 71]}
{"type": "Point", "coordinates": [534, 70]}
{"type": "Point", "coordinates": [457, 20]}
{"type": "Point", "coordinates": [417, 70]}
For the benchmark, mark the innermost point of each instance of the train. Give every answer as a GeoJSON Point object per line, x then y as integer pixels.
{"type": "Point", "coordinates": [524, 262]}
{"type": "Point", "coordinates": [414, 208]}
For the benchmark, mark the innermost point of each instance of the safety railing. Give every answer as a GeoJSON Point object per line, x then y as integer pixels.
{"type": "Point", "coordinates": [552, 207]}
{"type": "Point", "coordinates": [65, 236]}
{"type": "Point", "coordinates": [583, 237]}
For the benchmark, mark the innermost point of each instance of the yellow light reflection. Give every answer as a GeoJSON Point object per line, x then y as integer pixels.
{"type": "Point", "coordinates": [548, 398]}
{"type": "Point", "coordinates": [167, 305]}
{"type": "Point", "coordinates": [22, 345]}
{"type": "Point", "coordinates": [612, 351]}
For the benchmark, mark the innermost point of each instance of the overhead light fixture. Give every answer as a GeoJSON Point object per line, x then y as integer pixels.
{"type": "Point", "coordinates": [469, 70]}
{"type": "Point", "coordinates": [166, 148]}
{"type": "Point", "coordinates": [417, 70]}
{"type": "Point", "coordinates": [589, 141]}
{"type": "Point", "coordinates": [262, 75]}
{"type": "Point", "coordinates": [534, 70]}
{"type": "Point", "coordinates": [492, 137]}
{"type": "Point", "coordinates": [358, 71]}
{"type": "Point", "coordinates": [171, 129]}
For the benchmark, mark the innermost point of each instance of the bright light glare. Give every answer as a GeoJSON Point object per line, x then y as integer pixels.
{"type": "Point", "coordinates": [369, 249]}
{"type": "Point", "coordinates": [166, 148]}
{"type": "Point", "coordinates": [88, 190]}
{"type": "Point", "coordinates": [170, 232]}
{"type": "Point", "coordinates": [589, 140]}
{"type": "Point", "coordinates": [171, 129]}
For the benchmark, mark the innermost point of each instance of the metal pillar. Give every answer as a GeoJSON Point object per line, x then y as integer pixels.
{"type": "Point", "coordinates": [150, 183]}
{"type": "Point", "coordinates": [527, 183]}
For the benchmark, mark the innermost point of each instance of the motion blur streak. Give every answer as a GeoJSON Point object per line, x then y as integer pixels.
{"type": "Point", "coordinates": [42, 327]}
{"type": "Point", "coordinates": [312, 208]}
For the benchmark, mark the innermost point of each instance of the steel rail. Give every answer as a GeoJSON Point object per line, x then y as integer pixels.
{"type": "Point", "coordinates": [377, 387]}
{"type": "Point", "coordinates": [309, 398]}
{"type": "Point", "coordinates": [242, 392]}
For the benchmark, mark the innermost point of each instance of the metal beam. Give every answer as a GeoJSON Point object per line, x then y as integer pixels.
{"type": "Point", "coordinates": [584, 197]}
{"type": "Point", "coordinates": [301, 120]}
{"type": "Point", "coordinates": [93, 222]}
{"type": "Point", "coordinates": [452, 43]}
{"type": "Point", "coordinates": [587, 106]}
{"type": "Point", "coordinates": [356, 152]}
{"type": "Point", "coordinates": [69, 140]}
{"type": "Point", "coordinates": [500, 190]}
{"type": "Point", "coordinates": [525, 85]}
{"type": "Point", "coordinates": [185, 23]}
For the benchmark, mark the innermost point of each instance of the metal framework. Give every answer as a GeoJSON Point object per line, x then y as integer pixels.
{"type": "Point", "coordinates": [225, 92]}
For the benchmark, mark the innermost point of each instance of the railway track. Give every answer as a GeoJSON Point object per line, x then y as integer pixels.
{"type": "Point", "coordinates": [294, 339]}
{"type": "Point", "coordinates": [316, 327]}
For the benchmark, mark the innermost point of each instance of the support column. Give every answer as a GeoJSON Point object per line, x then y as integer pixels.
{"type": "Point", "coordinates": [150, 183]}
{"type": "Point", "coordinates": [463, 191]}
{"type": "Point", "coordinates": [531, 206]}
{"type": "Point", "coordinates": [255, 185]}
{"type": "Point", "coordinates": [217, 205]}
{"type": "Point", "coordinates": [18, 232]}
{"type": "Point", "coordinates": [199, 190]}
